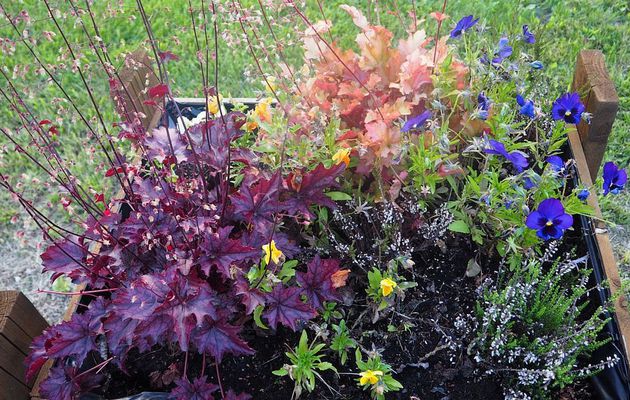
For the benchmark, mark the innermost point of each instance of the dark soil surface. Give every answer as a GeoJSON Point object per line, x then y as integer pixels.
{"type": "Point", "coordinates": [429, 357]}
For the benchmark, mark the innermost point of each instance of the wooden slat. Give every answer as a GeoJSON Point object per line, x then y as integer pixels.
{"type": "Point", "coordinates": [611, 272]}
{"type": "Point", "coordinates": [12, 360]}
{"type": "Point", "coordinates": [15, 306]}
{"type": "Point", "coordinates": [11, 388]}
{"type": "Point", "coordinates": [598, 94]}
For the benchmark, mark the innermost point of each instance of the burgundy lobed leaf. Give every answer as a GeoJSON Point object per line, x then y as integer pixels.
{"type": "Point", "coordinates": [218, 338]}
{"type": "Point", "coordinates": [257, 204]}
{"type": "Point", "coordinates": [66, 383]}
{"type": "Point", "coordinates": [250, 297]}
{"type": "Point", "coordinates": [198, 389]}
{"type": "Point", "coordinates": [74, 338]}
{"type": "Point", "coordinates": [285, 306]}
{"type": "Point", "coordinates": [159, 90]}
{"type": "Point", "coordinates": [64, 258]}
{"type": "Point", "coordinates": [222, 252]}
{"type": "Point", "coordinates": [317, 282]}
{"type": "Point", "coordinates": [231, 395]}
{"type": "Point", "coordinates": [304, 189]}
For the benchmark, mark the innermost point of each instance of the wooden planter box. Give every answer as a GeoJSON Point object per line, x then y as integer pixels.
{"type": "Point", "coordinates": [20, 321]}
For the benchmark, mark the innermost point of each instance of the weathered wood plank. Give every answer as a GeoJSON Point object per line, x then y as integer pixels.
{"type": "Point", "coordinates": [598, 94]}
{"type": "Point", "coordinates": [622, 314]}
{"type": "Point", "coordinates": [15, 306]}
{"type": "Point", "coordinates": [11, 388]}
{"type": "Point", "coordinates": [12, 360]}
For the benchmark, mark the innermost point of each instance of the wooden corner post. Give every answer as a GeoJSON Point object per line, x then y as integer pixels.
{"type": "Point", "coordinates": [20, 323]}
{"type": "Point", "coordinates": [598, 94]}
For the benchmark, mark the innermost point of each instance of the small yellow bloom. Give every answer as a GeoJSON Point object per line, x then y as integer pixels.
{"type": "Point", "coordinates": [272, 253]}
{"type": "Point", "coordinates": [370, 377]}
{"type": "Point", "coordinates": [270, 83]}
{"type": "Point", "coordinates": [262, 111]}
{"type": "Point", "coordinates": [387, 286]}
{"type": "Point", "coordinates": [213, 104]}
{"type": "Point", "coordinates": [342, 155]}
{"type": "Point", "coordinates": [250, 126]}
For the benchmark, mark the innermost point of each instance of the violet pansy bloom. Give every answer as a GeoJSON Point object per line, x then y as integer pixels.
{"type": "Point", "coordinates": [615, 178]}
{"type": "Point", "coordinates": [528, 37]}
{"type": "Point", "coordinates": [549, 220]}
{"type": "Point", "coordinates": [463, 25]}
{"type": "Point", "coordinates": [527, 106]}
{"type": "Point", "coordinates": [484, 105]}
{"type": "Point", "coordinates": [517, 158]}
{"type": "Point", "coordinates": [583, 194]}
{"type": "Point", "coordinates": [556, 163]}
{"type": "Point", "coordinates": [416, 122]}
{"type": "Point", "coordinates": [504, 51]}
{"type": "Point", "coordinates": [568, 108]}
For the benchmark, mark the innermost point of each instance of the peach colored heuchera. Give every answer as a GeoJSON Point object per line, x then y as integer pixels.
{"type": "Point", "coordinates": [374, 91]}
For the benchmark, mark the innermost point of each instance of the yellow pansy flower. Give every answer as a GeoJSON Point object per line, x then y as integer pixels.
{"type": "Point", "coordinates": [270, 83]}
{"type": "Point", "coordinates": [250, 126]}
{"type": "Point", "coordinates": [370, 377]}
{"type": "Point", "coordinates": [387, 286]}
{"type": "Point", "coordinates": [262, 111]}
{"type": "Point", "coordinates": [272, 253]}
{"type": "Point", "coordinates": [213, 104]}
{"type": "Point", "coordinates": [342, 155]}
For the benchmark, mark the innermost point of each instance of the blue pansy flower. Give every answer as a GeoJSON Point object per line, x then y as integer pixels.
{"type": "Point", "coordinates": [517, 158]}
{"type": "Point", "coordinates": [528, 37]}
{"type": "Point", "coordinates": [583, 194]}
{"type": "Point", "coordinates": [549, 220]}
{"type": "Point", "coordinates": [615, 178]}
{"type": "Point", "coordinates": [528, 183]}
{"type": "Point", "coordinates": [504, 51]}
{"type": "Point", "coordinates": [557, 164]}
{"type": "Point", "coordinates": [416, 122]}
{"type": "Point", "coordinates": [484, 105]}
{"type": "Point", "coordinates": [536, 65]}
{"type": "Point", "coordinates": [527, 106]}
{"type": "Point", "coordinates": [463, 25]}
{"type": "Point", "coordinates": [568, 108]}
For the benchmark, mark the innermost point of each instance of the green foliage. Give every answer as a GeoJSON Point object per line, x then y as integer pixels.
{"type": "Point", "coordinates": [342, 342]}
{"type": "Point", "coordinates": [533, 328]}
{"type": "Point", "coordinates": [376, 376]}
{"type": "Point", "coordinates": [306, 361]}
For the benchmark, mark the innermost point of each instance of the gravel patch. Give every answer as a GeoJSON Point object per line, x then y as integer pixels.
{"type": "Point", "coordinates": [20, 269]}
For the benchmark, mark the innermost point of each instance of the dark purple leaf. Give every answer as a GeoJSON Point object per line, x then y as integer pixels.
{"type": "Point", "coordinates": [199, 389]}
{"type": "Point", "coordinates": [72, 338]}
{"type": "Point", "coordinates": [285, 306]}
{"type": "Point", "coordinates": [64, 258]}
{"type": "Point", "coordinates": [257, 205]}
{"type": "Point", "coordinates": [222, 252]}
{"type": "Point", "coordinates": [65, 383]}
{"type": "Point", "coordinates": [230, 395]}
{"type": "Point", "coordinates": [218, 338]}
{"type": "Point", "coordinates": [306, 189]}
{"type": "Point", "coordinates": [317, 281]}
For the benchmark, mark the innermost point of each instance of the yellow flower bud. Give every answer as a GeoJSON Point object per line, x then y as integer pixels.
{"type": "Point", "coordinates": [370, 377]}
{"type": "Point", "coordinates": [342, 155]}
{"type": "Point", "coordinates": [272, 253]}
{"type": "Point", "coordinates": [387, 286]}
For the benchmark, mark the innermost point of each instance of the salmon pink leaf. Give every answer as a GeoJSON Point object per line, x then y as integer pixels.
{"type": "Point", "coordinates": [317, 282]}
{"type": "Point", "coordinates": [286, 307]}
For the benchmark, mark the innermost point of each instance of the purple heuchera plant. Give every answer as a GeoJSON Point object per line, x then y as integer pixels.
{"type": "Point", "coordinates": [568, 108]}
{"type": "Point", "coordinates": [549, 220]}
{"type": "Point", "coordinates": [517, 158]}
{"type": "Point", "coordinates": [176, 265]}
{"type": "Point", "coordinates": [615, 178]}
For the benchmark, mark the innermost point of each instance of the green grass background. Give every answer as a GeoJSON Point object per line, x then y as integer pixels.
{"type": "Point", "coordinates": [563, 28]}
